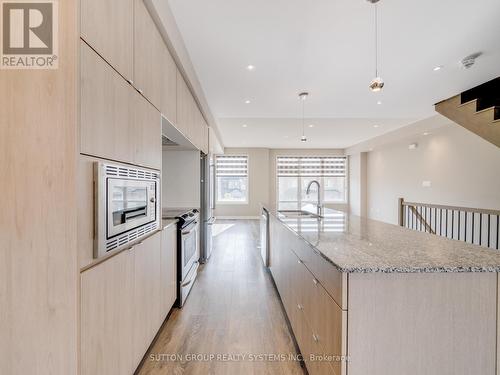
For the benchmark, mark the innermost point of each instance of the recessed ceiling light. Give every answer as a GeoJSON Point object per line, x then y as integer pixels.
{"type": "Point", "coordinates": [379, 102]}
{"type": "Point", "coordinates": [286, 136]}
{"type": "Point", "coordinates": [250, 67]}
{"type": "Point", "coordinates": [371, 149]}
{"type": "Point", "coordinates": [436, 68]}
{"type": "Point", "coordinates": [427, 133]}
{"type": "Point", "coordinates": [244, 125]}
{"type": "Point", "coordinates": [247, 101]}
{"type": "Point", "coordinates": [376, 126]}
{"type": "Point", "coordinates": [311, 125]}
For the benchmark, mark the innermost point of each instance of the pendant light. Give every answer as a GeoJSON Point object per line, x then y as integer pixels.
{"type": "Point", "coordinates": [377, 83]}
{"type": "Point", "coordinates": [303, 96]}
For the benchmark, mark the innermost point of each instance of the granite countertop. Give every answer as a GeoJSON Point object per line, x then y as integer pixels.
{"type": "Point", "coordinates": [355, 244]}
{"type": "Point", "coordinates": [165, 223]}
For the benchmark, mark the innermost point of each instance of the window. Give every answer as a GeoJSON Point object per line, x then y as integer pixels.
{"type": "Point", "coordinates": [294, 173]}
{"type": "Point", "coordinates": [232, 178]}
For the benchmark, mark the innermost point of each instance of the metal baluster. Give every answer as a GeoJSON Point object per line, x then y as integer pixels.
{"type": "Point", "coordinates": [480, 229]}
{"type": "Point", "coordinates": [452, 223]}
{"type": "Point", "coordinates": [446, 225]}
{"type": "Point", "coordinates": [420, 220]}
{"type": "Point", "coordinates": [407, 216]}
{"type": "Point", "coordinates": [465, 234]}
{"type": "Point", "coordinates": [458, 227]}
{"type": "Point", "coordinates": [473, 225]}
{"type": "Point", "coordinates": [489, 229]}
{"type": "Point", "coordinates": [440, 221]}
{"type": "Point", "coordinates": [498, 224]}
{"type": "Point", "coordinates": [435, 220]}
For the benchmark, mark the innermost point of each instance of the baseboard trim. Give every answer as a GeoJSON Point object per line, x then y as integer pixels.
{"type": "Point", "coordinates": [238, 217]}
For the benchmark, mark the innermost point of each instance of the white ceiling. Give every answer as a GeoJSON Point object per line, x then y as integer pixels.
{"type": "Point", "coordinates": [326, 47]}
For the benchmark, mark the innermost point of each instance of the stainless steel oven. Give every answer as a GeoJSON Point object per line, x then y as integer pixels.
{"type": "Point", "coordinates": [126, 205]}
{"type": "Point", "coordinates": [189, 254]}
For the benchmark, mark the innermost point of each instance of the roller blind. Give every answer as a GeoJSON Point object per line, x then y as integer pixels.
{"type": "Point", "coordinates": [311, 166]}
{"type": "Point", "coordinates": [231, 165]}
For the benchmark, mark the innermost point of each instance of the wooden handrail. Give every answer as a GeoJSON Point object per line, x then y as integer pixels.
{"type": "Point", "coordinates": [451, 208]}
{"type": "Point", "coordinates": [474, 225]}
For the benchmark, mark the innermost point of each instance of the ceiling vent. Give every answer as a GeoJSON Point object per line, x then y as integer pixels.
{"type": "Point", "coordinates": [469, 61]}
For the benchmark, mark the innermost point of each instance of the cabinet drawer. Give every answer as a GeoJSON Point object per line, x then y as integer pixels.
{"type": "Point", "coordinates": [323, 271]}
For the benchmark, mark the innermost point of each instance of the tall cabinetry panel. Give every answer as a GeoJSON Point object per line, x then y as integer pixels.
{"type": "Point", "coordinates": [147, 317]}
{"type": "Point", "coordinates": [168, 292]}
{"type": "Point", "coordinates": [146, 132]}
{"type": "Point", "coordinates": [108, 26]}
{"type": "Point", "coordinates": [107, 317]}
{"type": "Point", "coordinates": [148, 55]}
{"type": "Point", "coordinates": [105, 109]}
{"type": "Point", "coordinates": [184, 113]}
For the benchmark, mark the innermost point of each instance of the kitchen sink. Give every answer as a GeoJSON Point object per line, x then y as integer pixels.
{"type": "Point", "coordinates": [298, 213]}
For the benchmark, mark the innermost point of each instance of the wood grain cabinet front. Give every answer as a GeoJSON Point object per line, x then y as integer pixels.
{"type": "Point", "coordinates": [104, 109]}
{"type": "Point", "coordinates": [107, 317]}
{"type": "Point", "coordinates": [108, 26]}
{"type": "Point", "coordinates": [146, 302]}
{"type": "Point", "coordinates": [168, 291]}
{"type": "Point", "coordinates": [117, 123]}
{"type": "Point", "coordinates": [148, 55]}
{"type": "Point", "coordinates": [146, 132]}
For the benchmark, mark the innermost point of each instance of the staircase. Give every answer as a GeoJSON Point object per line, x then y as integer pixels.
{"type": "Point", "coordinates": [477, 110]}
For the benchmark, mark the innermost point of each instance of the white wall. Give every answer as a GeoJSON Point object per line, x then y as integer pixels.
{"type": "Point", "coordinates": [258, 184]}
{"type": "Point", "coordinates": [357, 185]}
{"type": "Point", "coordinates": [181, 179]}
{"type": "Point", "coordinates": [463, 169]}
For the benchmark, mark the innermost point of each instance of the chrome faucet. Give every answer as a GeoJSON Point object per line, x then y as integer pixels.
{"type": "Point", "coordinates": [319, 206]}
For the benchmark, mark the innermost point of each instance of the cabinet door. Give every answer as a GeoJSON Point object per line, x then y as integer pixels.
{"type": "Point", "coordinates": [147, 317]}
{"type": "Point", "coordinates": [148, 55]}
{"type": "Point", "coordinates": [184, 115]}
{"type": "Point", "coordinates": [169, 87]}
{"type": "Point", "coordinates": [146, 125]}
{"type": "Point", "coordinates": [107, 25]}
{"type": "Point", "coordinates": [104, 111]}
{"type": "Point", "coordinates": [168, 269]}
{"type": "Point", "coordinates": [106, 319]}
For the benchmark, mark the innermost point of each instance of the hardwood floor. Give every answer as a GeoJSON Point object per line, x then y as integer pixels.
{"type": "Point", "coordinates": [233, 310]}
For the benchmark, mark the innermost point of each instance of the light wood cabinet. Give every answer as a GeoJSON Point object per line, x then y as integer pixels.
{"type": "Point", "coordinates": [168, 79]}
{"type": "Point", "coordinates": [316, 319]}
{"type": "Point", "coordinates": [168, 290]}
{"type": "Point", "coordinates": [148, 55]}
{"type": "Point", "coordinates": [147, 316]}
{"type": "Point", "coordinates": [185, 113]}
{"type": "Point", "coordinates": [106, 317]}
{"type": "Point", "coordinates": [117, 123]}
{"type": "Point", "coordinates": [146, 132]}
{"type": "Point", "coordinates": [107, 25]}
{"type": "Point", "coordinates": [104, 109]}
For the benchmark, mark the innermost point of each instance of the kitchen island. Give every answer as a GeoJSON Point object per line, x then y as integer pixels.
{"type": "Point", "coordinates": [364, 297]}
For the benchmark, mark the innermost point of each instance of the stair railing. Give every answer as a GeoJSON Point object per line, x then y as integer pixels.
{"type": "Point", "coordinates": [472, 225]}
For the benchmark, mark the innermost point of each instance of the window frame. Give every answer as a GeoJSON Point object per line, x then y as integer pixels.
{"type": "Point", "coordinates": [299, 201]}
{"type": "Point", "coordinates": [216, 183]}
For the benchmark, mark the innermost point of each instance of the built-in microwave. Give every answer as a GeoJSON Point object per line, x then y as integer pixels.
{"type": "Point", "coordinates": [126, 205]}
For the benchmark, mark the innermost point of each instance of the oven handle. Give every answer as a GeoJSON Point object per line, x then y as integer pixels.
{"type": "Point", "coordinates": [189, 231]}
{"type": "Point", "coordinates": [195, 264]}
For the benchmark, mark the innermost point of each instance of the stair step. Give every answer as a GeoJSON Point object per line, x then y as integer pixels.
{"type": "Point", "coordinates": [490, 89]}
{"type": "Point", "coordinates": [484, 103]}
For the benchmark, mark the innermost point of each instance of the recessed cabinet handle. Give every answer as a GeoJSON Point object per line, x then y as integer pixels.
{"type": "Point", "coordinates": [300, 307]}
{"type": "Point", "coordinates": [315, 282]}
{"type": "Point", "coordinates": [315, 338]}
